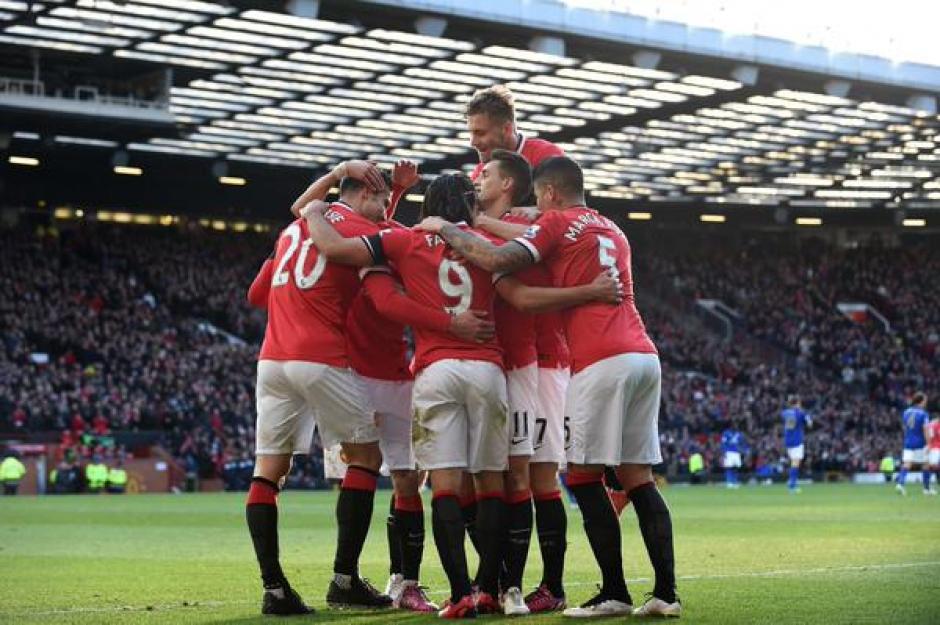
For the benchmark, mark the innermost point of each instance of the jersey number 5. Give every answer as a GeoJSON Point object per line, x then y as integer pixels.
{"type": "Point", "coordinates": [463, 289]}
{"type": "Point", "coordinates": [303, 281]}
{"type": "Point", "coordinates": [606, 252]}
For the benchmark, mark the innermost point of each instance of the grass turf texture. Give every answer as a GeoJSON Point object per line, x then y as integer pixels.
{"type": "Point", "coordinates": [834, 554]}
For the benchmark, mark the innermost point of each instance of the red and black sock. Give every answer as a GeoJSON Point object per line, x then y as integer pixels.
{"type": "Point", "coordinates": [491, 534]}
{"type": "Point", "coordinates": [261, 515]}
{"type": "Point", "coordinates": [447, 524]}
{"type": "Point", "coordinates": [394, 540]}
{"type": "Point", "coordinates": [353, 517]}
{"type": "Point", "coordinates": [611, 480]}
{"type": "Point", "coordinates": [656, 527]}
{"type": "Point", "coordinates": [519, 525]}
{"type": "Point", "coordinates": [468, 510]}
{"type": "Point", "coordinates": [552, 527]}
{"type": "Point", "coordinates": [409, 518]}
{"type": "Point", "coordinates": [603, 531]}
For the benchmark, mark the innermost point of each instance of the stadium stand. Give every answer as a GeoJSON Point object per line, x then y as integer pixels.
{"type": "Point", "coordinates": [136, 344]}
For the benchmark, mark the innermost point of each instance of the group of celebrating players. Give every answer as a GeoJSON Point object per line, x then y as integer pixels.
{"type": "Point", "coordinates": [530, 357]}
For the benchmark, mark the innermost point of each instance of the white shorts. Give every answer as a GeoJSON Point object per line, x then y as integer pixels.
{"type": "Point", "coordinates": [552, 433]}
{"type": "Point", "coordinates": [933, 457]}
{"type": "Point", "coordinates": [732, 460]}
{"type": "Point", "coordinates": [461, 416]}
{"type": "Point", "coordinates": [914, 456]}
{"type": "Point", "coordinates": [334, 467]}
{"type": "Point", "coordinates": [522, 388]}
{"type": "Point", "coordinates": [614, 409]}
{"type": "Point", "coordinates": [795, 453]}
{"type": "Point", "coordinates": [392, 399]}
{"type": "Point", "coordinates": [292, 397]}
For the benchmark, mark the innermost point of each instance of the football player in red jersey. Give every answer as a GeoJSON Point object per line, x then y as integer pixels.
{"type": "Point", "coordinates": [539, 440]}
{"type": "Point", "coordinates": [377, 352]}
{"type": "Point", "coordinates": [491, 122]}
{"type": "Point", "coordinates": [459, 397]}
{"type": "Point", "coordinates": [303, 370]}
{"type": "Point", "coordinates": [613, 398]}
{"type": "Point", "coordinates": [490, 116]}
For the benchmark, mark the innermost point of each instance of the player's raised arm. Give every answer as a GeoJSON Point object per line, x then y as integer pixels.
{"type": "Point", "coordinates": [496, 259]}
{"type": "Point", "coordinates": [330, 243]}
{"type": "Point", "coordinates": [391, 301]}
{"type": "Point", "coordinates": [605, 288]}
{"type": "Point", "coordinates": [404, 176]}
{"type": "Point", "coordinates": [261, 285]}
{"type": "Point", "coordinates": [320, 188]}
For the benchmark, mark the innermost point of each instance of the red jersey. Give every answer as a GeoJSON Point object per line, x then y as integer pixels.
{"type": "Point", "coordinates": [309, 297]}
{"type": "Point", "coordinates": [377, 347]}
{"type": "Point", "coordinates": [533, 150]}
{"type": "Point", "coordinates": [516, 329]}
{"type": "Point", "coordinates": [934, 429]}
{"type": "Point", "coordinates": [576, 244]}
{"type": "Point", "coordinates": [550, 341]}
{"type": "Point", "coordinates": [433, 278]}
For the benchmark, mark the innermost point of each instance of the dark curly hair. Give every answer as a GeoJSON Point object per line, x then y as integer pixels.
{"type": "Point", "coordinates": [451, 197]}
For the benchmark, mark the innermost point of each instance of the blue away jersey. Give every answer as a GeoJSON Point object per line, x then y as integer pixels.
{"type": "Point", "coordinates": [794, 422]}
{"type": "Point", "coordinates": [731, 440]}
{"type": "Point", "coordinates": [914, 420]}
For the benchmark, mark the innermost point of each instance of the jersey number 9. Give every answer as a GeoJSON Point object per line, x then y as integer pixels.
{"type": "Point", "coordinates": [462, 289]}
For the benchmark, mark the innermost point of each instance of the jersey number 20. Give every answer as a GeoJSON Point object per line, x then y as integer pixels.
{"type": "Point", "coordinates": [303, 281]}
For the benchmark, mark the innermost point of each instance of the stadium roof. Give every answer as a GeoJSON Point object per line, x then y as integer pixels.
{"type": "Point", "coordinates": [260, 88]}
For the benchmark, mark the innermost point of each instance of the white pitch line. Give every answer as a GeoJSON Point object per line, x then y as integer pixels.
{"type": "Point", "coordinates": [776, 573]}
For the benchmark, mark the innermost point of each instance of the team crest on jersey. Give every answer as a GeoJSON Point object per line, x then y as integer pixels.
{"type": "Point", "coordinates": [532, 231]}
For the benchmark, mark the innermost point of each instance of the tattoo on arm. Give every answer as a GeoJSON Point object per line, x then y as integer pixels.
{"type": "Point", "coordinates": [480, 252]}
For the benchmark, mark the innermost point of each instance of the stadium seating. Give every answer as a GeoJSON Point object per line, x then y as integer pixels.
{"type": "Point", "coordinates": [148, 329]}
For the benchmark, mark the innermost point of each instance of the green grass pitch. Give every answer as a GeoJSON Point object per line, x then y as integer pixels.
{"type": "Point", "coordinates": [834, 554]}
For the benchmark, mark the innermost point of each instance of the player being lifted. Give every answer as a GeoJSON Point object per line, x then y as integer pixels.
{"type": "Point", "coordinates": [915, 422]}
{"type": "Point", "coordinates": [795, 421]}
{"type": "Point", "coordinates": [491, 124]}
{"type": "Point", "coordinates": [613, 398]}
{"type": "Point", "coordinates": [459, 401]}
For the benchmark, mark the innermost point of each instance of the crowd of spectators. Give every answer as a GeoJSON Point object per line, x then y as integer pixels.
{"type": "Point", "coordinates": [854, 375]}
{"type": "Point", "coordinates": [789, 294]}
{"type": "Point", "coordinates": [112, 329]}
{"type": "Point", "coordinates": [103, 329]}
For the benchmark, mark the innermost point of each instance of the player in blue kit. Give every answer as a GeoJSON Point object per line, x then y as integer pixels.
{"type": "Point", "coordinates": [915, 422]}
{"type": "Point", "coordinates": [732, 444]}
{"type": "Point", "coordinates": [795, 421]}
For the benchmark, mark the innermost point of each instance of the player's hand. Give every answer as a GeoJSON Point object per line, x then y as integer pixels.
{"type": "Point", "coordinates": [473, 326]}
{"type": "Point", "coordinates": [526, 212]}
{"type": "Point", "coordinates": [366, 171]}
{"type": "Point", "coordinates": [405, 174]}
{"type": "Point", "coordinates": [607, 288]}
{"type": "Point", "coordinates": [431, 224]}
{"type": "Point", "coordinates": [316, 206]}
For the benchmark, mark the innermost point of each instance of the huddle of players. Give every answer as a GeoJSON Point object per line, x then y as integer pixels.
{"type": "Point", "coordinates": [482, 405]}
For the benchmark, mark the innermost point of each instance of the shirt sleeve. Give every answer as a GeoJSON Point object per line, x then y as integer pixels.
{"type": "Point", "coordinates": [387, 297]}
{"type": "Point", "coordinates": [390, 245]}
{"type": "Point", "coordinates": [541, 239]}
{"type": "Point", "coordinates": [261, 285]}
